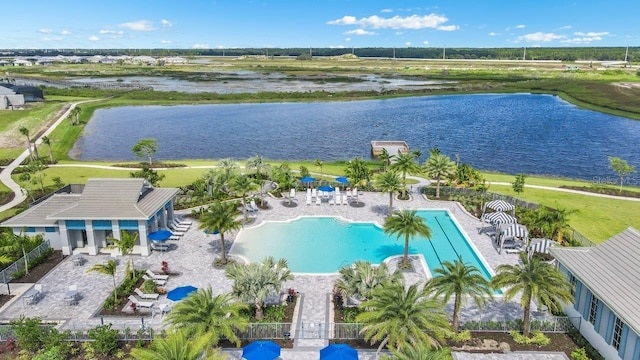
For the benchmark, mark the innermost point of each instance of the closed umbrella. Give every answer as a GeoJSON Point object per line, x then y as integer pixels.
{"type": "Point", "coordinates": [261, 350]}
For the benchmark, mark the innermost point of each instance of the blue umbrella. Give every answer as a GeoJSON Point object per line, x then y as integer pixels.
{"type": "Point", "coordinates": [342, 179]}
{"type": "Point", "coordinates": [261, 350]}
{"type": "Point", "coordinates": [159, 235]}
{"type": "Point", "coordinates": [307, 179]}
{"type": "Point", "coordinates": [180, 292]}
{"type": "Point", "coordinates": [338, 352]}
{"type": "Point", "coordinates": [325, 188]}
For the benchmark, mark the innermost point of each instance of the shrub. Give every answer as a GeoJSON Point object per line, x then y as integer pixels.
{"type": "Point", "coordinates": [538, 338]}
{"type": "Point", "coordinates": [591, 352]}
{"type": "Point", "coordinates": [579, 354]}
{"type": "Point", "coordinates": [274, 313]}
{"type": "Point", "coordinates": [105, 339]}
{"type": "Point", "coordinates": [462, 336]}
{"type": "Point", "coordinates": [29, 333]}
{"type": "Point", "coordinates": [149, 286]}
{"type": "Point", "coordinates": [39, 260]}
{"type": "Point", "coordinates": [59, 352]}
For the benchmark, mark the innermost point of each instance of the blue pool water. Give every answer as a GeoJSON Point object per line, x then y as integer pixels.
{"type": "Point", "coordinates": [325, 244]}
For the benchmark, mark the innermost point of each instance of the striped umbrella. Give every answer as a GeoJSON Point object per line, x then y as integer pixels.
{"type": "Point", "coordinates": [515, 231]}
{"type": "Point", "coordinates": [541, 245]}
{"type": "Point", "coordinates": [499, 217]}
{"type": "Point", "coordinates": [499, 205]}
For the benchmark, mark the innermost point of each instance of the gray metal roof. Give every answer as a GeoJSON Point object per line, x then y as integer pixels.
{"type": "Point", "coordinates": [38, 214]}
{"type": "Point", "coordinates": [611, 271]}
{"type": "Point", "coordinates": [111, 199]}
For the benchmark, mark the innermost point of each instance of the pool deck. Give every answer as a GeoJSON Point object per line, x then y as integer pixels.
{"type": "Point", "coordinates": [192, 257]}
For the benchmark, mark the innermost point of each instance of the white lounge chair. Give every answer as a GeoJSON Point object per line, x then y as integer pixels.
{"type": "Point", "coordinates": [174, 227]}
{"type": "Point", "coordinates": [157, 276]}
{"type": "Point", "coordinates": [142, 304]}
{"type": "Point", "coordinates": [177, 225]}
{"type": "Point", "coordinates": [176, 232]}
{"type": "Point", "coordinates": [345, 199]}
{"type": "Point", "coordinates": [314, 193]}
{"type": "Point", "coordinates": [292, 193]}
{"type": "Point", "coordinates": [158, 282]}
{"type": "Point", "coordinates": [348, 193]}
{"type": "Point", "coordinates": [355, 191]}
{"type": "Point", "coordinates": [331, 201]}
{"type": "Point", "coordinates": [308, 191]}
{"type": "Point", "coordinates": [175, 237]}
{"type": "Point", "coordinates": [338, 191]}
{"type": "Point", "coordinates": [184, 222]}
{"type": "Point", "coordinates": [146, 296]}
{"type": "Point", "coordinates": [308, 199]}
{"type": "Point", "coordinates": [318, 200]}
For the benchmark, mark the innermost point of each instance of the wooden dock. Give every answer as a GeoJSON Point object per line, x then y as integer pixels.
{"type": "Point", "coordinates": [392, 147]}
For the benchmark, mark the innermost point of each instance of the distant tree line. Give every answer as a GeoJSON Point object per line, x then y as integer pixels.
{"type": "Point", "coordinates": [536, 53]}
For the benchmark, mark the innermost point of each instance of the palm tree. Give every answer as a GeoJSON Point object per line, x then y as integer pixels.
{"type": "Point", "coordinates": [178, 346]}
{"type": "Point", "coordinates": [460, 280]}
{"type": "Point", "coordinates": [405, 163]}
{"type": "Point", "coordinates": [242, 185]}
{"type": "Point", "coordinates": [359, 280]}
{"type": "Point", "coordinates": [418, 352]}
{"type": "Point", "coordinates": [108, 269]}
{"type": "Point", "coordinates": [257, 163]}
{"type": "Point", "coordinates": [223, 218]}
{"type": "Point", "coordinates": [406, 223]}
{"type": "Point", "coordinates": [319, 163]}
{"type": "Point", "coordinates": [24, 131]}
{"type": "Point", "coordinates": [553, 222]}
{"type": "Point", "coordinates": [228, 166]}
{"type": "Point", "coordinates": [399, 316]}
{"type": "Point", "coordinates": [201, 313]}
{"type": "Point", "coordinates": [536, 280]}
{"type": "Point", "coordinates": [389, 182]}
{"type": "Point", "coordinates": [125, 244]}
{"type": "Point", "coordinates": [439, 166]}
{"type": "Point", "coordinates": [74, 115]}
{"type": "Point", "coordinates": [256, 281]}
{"type": "Point", "coordinates": [47, 141]}
{"type": "Point", "coordinates": [385, 158]}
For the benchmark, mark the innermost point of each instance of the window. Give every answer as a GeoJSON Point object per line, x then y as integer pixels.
{"type": "Point", "coordinates": [31, 229]}
{"type": "Point", "coordinates": [617, 333]}
{"type": "Point", "coordinates": [572, 281]}
{"type": "Point", "coordinates": [593, 310]}
{"type": "Point", "coordinates": [50, 229]}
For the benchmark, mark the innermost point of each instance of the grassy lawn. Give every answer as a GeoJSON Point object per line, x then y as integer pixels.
{"type": "Point", "coordinates": [597, 218]}
{"type": "Point", "coordinates": [33, 118]}
{"type": "Point", "coordinates": [553, 182]}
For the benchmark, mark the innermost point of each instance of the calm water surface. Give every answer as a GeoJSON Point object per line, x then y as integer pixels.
{"type": "Point", "coordinates": [512, 133]}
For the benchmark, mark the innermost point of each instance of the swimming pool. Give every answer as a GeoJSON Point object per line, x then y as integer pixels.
{"type": "Point", "coordinates": [325, 244]}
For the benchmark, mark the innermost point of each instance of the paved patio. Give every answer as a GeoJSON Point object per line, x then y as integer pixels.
{"type": "Point", "coordinates": [193, 255]}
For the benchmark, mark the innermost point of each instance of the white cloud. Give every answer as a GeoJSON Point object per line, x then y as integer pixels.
{"type": "Point", "coordinates": [399, 32]}
{"type": "Point", "coordinates": [347, 39]}
{"type": "Point", "coordinates": [426, 42]}
{"type": "Point", "coordinates": [93, 38]}
{"type": "Point", "coordinates": [166, 41]}
{"type": "Point", "coordinates": [540, 37]}
{"type": "Point", "coordinates": [65, 32]}
{"type": "Point", "coordinates": [359, 32]}
{"type": "Point", "coordinates": [140, 25]}
{"type": "Point", "coordinates": [584, 39]}
{"type": "Point", "coordinates": [336, 47]}
{"type": "Point", "coordinates": [220, 47]}
{"type": "Point", "coordinates": [201, 46]}
{"type": "Point", "coordinates": [386, 11]}
{"type": "Point", "coordinates": [103, 31]}
{"type": "Point", "coordinates": [566, 27]}
{"type": "Point", "coordinates": [591, 34]}
{"type": "Point", "coordinates": [414, 22]}
{"type": "Point", "coordinates": [448, 28]}
{"type": "Point", "coordinates": [492, 34]}
{"type": "Point", "coordinates": [520, 26]}
{"type": "Point", "coordinates": [166, 23]}
{"type": "Point", "coordinates": [408, 43]}
{"type": "Point", "coordinates": [45, 31]}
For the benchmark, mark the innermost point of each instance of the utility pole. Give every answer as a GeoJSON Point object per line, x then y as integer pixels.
{"type": "Point", "coordinates": [524, 54]}
{"type": "Point", "coordinates": [444, 52]}
{"type": "Point", "coordinates": [310, 52]}
{"type": "Point", "coordinates": [394, 53]}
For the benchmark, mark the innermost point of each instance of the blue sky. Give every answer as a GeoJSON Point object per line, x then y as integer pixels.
{"type": "Point", "coordinates": [319, 23]}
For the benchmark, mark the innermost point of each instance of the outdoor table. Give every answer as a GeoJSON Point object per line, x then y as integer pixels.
{"type": "Point", "coordinates": [31, 296]}
{"type": "Point", "coordinates": [71, 297]}
{"type": "Point", "coordinates": [78, 260]}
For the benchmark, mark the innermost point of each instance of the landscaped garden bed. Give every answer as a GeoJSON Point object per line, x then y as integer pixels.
{"type": "Point", "coordinates": [38, 271]}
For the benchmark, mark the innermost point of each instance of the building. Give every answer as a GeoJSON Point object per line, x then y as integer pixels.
{"type": "Point", "coordinates": [82, 218]}
{"type": "Point", "coordinates": [9, 99]}
{"type": "Point", "coordinates": [606, 281]}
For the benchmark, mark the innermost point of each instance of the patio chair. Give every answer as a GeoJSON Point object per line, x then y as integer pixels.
{"type": "Point", "coordinates": [175, 237]}
{"type": "Point", "coordinates": [348, 192]}
{"type": "Point", "coordinates": [158, 282]}
{"type": "Point", "coordinates": [177, 225]}
{"type": "Point", "coordinates": [345, 199]}
{"type": "Point", "coordinates": [338, 191]}
{"type": "Point", "coordinates": [146, 296]}
{"type": "Point", "coordinates": [184, 222]}
{"type": "Point", "coordinates": [157, 276]}
{"type": "Point", "coordinates": [308, 199]}
{"type": "Point", "coordinates": [254, 206]}
{"type": "Point", "coordinates": [309, 192]}
{"type": "Point", "coordinates": [176, 232]}
{"type": "Point", "coordinates": [314, 193]}
{"type": "Point", "coordinates": [142, 304]}
{"type": "Point", "coordinates": [332, 201]}
{"type": "Point", "coordinates": [292, 193]}
{"type": "Point", "coordinates": [318, 200]}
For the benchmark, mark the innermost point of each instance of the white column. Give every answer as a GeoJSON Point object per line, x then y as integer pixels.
{"type": "Point", "coordinates": [145, 247]}
{"type": "Point", "coordinates": [67, 249]}
{"type": "Point", "coordinates": [115, 229]}
{"type": "Point", "coordinates": [91, 240]}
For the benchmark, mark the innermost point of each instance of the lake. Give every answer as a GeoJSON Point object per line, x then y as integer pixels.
{"type": "Point", "coordinates": [511, 133]}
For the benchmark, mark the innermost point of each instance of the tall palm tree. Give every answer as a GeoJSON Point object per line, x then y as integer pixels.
{"type": "Point", "coordinates": [408, 224]}
{"type": "Point", "coordinates": [399, 316]}
{"type": "Point", "coordinates": [319, 163]}
{"type": "Point", "coordinates": [109, 268]}
{"type": "Point", "coordinates": [417, 352]}
{"type": "Point", "coordinates": [553, 222]}
{"type": "Point", "coordinates": [461, 281]}
{"type": "Point", "coordinates": [223, 218]}
{"type": "Point", "coordinates": [256, 281]}
{"type": "Point", "coordinates": [24, 131]}
{"type": "Point", "coordinates": [359, 280]}
{"type": "Point", "coordinates": [228, 166]}
{"type": "Point", "coordinates": [535, 280]}
{"type": "Point", "coordinates": [439, 166]}
{"type": "Point", "coordinates": [389, 182]}
{"type": "Point", "coordinates": [243, 185]}
{"type": "Point", "coordinates": [47, 141]}
{"type": "Point", "coordinates": [405, 163]}
{"type": "Point", "coordinates": [257, 162]}
{"type": "Point", "coordinates": [385, 158]}
{"type": "Point", "coordinates": [201, 312]}
{"type": "Point", "coordinates": [178, 345]}
{"type": "Point", "coordinates": [125, 244]}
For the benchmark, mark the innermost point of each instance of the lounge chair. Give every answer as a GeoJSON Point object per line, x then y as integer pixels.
{"type": "Point", "coordinates": [142, 304]}
{"type": "Point", "coordinates": [331, 201]}
{"type": "Point", "coordinates": [158, 282]}
{"type": "Point", "coordinates": [314, 193]}
{"type": "Point", "coordinates": [175, 237]}
{"type": "Point", "coordinates": [176, 232]}
{"type": "Point", "coordinates": [308, 199]}
{"type": "Point", "coordinates": [157, 276]}
{"type": "Point", "coordinates": [338, 191]}
{"type": "Point", "coordinates": [146, 296]}
{"type": "Point", "coordinates": [345, 199]}
{"type": "Point", "coordinates": [183, 222]}
{"type": "Point", "coordinates": [318, 200]}
{"type": "Point", "coordinates": [309, 192]}
{"type": "Point", "coordinates": [292, 193]}
{"type": "Point", "coordinates": [177, 225]}
{"type": "Point", "coordinates": [254, 206]}
{"type": "Point", "coordinates": [355, 192]}
{"type": "Point", "coordinates": [348, 192]}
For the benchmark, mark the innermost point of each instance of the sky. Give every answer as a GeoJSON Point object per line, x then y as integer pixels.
{"type": "Point", "coordinates": [192, 24]}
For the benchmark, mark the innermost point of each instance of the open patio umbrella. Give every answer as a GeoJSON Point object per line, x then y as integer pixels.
{"type": "Point", "coordinates": [513, 231]}
{"type": "Point", "coordinates": [307, 179]}
{"type": "Point", "coordinates": [326, 188]}
{"type": "Point", "coordinates": [541, 245]}
{"type": "Point", "coordinates": [342, 179]}
{"type": "Point", "coordinates": [261, 350]}
{"type": "Point", "coordinates": [498, 205]}
{"type": "Point", "coordinates": [338, 352]}
{"type": "Point", "coordinates": [159, 235]}
{"type": "Point", "coordinates": [499, 217]}
{"type": "Point", "coordinates": [181, 292]}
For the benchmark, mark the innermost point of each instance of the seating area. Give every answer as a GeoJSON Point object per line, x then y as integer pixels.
{"type": "Point", "coordinates": [34, 295]}
{"type": "Point", "coordinates": [72, 295]}
{"type": "Point", "coordinates": [331, 197]}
